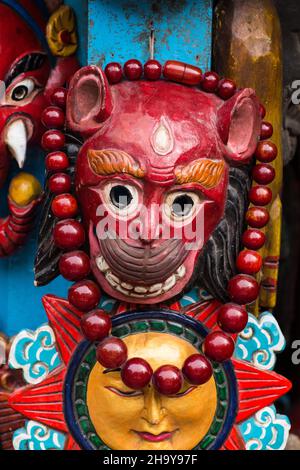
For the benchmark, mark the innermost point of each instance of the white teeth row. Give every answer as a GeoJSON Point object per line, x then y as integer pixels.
{"type": "Point", "coordinates": [138, 291]}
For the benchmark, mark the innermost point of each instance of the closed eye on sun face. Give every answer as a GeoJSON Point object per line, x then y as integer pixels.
{"type": "Point", "coordinates": [123, 393]}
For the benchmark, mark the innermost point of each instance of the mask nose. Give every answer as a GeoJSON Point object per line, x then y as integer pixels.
{"type": "Point", "coordinates": [154, 413]}
{"type": "Point", "coordinates": [149, 227]}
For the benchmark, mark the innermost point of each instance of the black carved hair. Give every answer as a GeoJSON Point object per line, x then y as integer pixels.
{"type": "Point", "coordinates": [216, 264]}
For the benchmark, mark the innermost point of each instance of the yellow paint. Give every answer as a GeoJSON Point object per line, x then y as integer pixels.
{"type": "Point", "coordinates": [63, 20]}
{"type": "Point", "coordinates": [117, 419]}
{"type": "Point", "coordinates": [24, 188]}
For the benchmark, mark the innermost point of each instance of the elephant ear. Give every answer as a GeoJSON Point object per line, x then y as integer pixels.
{"type": "Point", "coordinates": [89, 101]}
{"type": "Point", "coordinates": [48, 255]}
{"type": "Point", "coordinates": [239, 124]}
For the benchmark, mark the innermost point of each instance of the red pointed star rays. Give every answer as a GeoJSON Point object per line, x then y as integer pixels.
{"type": "Point", "coordinates": [44, 402]}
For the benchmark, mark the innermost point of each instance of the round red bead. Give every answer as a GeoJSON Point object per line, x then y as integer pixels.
{"type": "Point", "coordinates": [167, 380]}
{"type": "Point", "coordinates": [57, 161]}
{"type": "Point", "coordinates": [262, 110]}
{"type": "Point", "coordinates": [266, 130]}
{"type": "Point", "coordinates": [253, 239]}
{"type": "Point", "coordinates": [85, 295]}
{"type": "Point", "coordinates": [136, 373]}
{"type": "Point", "coordinates": [114, 72]}
{"type": "Point", "coordinates": [210, 82]}
{"type": "Point", "coordinates": [64, 206]}
{"type": "Point", "coordinates": [74, 266]}
{"type": "Point", "coordinates": [53, 117]}
{"type": "Point", "coordinates": [197, 369]}
{"type": "Point", "coordinates": [95, 325]}
{"type": "Point", "coordinates": [60, 183]}
{"type": "Point", "coordinates": [249, 262]}
{"type": "Point", "coordinates": [226, 88]}
{"type": "Point", "coordinates": [257, 217]}
{"type": "Point", "coordinates": [266, 151]}
{"type": "Point", "coordinates": [263, 173]}
{"type": "Point", "coordinates": [218, 346]}
{"type": "Point", "coordinates": [232, 318]}
{"type": "Point", "coordinates": [152, 70]}
{"type": "Point", "coordinates": [243, 289]}
{"type": "Point", "coordinates": [59, 97]}
{"type": "Point", "coordinates": [133, 69]}
{"type": "Point", "coordinates": [260, 195]}
{"type": "Point", "coordinates": [53, 140]}
{"type": "Point", "coordinates": [111, 353]}
{"type": "Point", "coordinates": [68, 235]}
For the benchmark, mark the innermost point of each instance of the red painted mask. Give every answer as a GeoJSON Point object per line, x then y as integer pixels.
{"type": "Point", "coordinates": [152, 177]}
{"type": "Point", "coordinates": [24, 73]}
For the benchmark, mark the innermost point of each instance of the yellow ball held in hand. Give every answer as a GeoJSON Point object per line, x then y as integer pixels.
{"type": "Point", "coordinates": [24, 188]}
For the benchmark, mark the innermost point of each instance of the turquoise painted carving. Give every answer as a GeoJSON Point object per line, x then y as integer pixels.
{"type": "Point", "coordinates": [266, 430]}
{"type": "Point", "coordinates": [260, 340]}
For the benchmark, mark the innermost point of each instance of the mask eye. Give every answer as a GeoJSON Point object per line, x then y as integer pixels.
{"type": "Point", "coordinates": [181, 206]}
{"type": "Point", "coordinates": [120, 196]}
{"type": "Point", "coordinates": [22, 90]}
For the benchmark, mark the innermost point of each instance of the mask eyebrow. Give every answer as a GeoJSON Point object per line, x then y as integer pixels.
{"type": "Point", "coordinates": [110, 161]}
{"type": "Point", "coordinates": [206, 172]}
{"type": "Point", "coordinates": [27, 63]}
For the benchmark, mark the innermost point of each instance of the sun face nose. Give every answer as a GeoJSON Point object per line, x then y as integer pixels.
{"type": "Point", "coordinates": [153, 411]}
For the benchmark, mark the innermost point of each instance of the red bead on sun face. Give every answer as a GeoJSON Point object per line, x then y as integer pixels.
{"type": "Point", "coordinates": [111, 353]}
{"type": "Point", "coordinates": [260, 195]}
{"type": "Point", "coordinates": [257, 217]}
{"type": "Point", "coordinates": [133, 69]}
{"type": "Point", "coordinates": [249, 262]}
{"type": "Point", "coordinates": [226, 88]}
{"type": "Point", "coordinates": [136, 373]}
{"type": "Point", "coordinates": [64, 206]}
{"type": "Point", "coordinates": [210, 82]}
{"type": "Point", "coordinates": [53, 140]}
{"type": "Point", "coordinates": [95, 325]}
{"type": "Point", "coordinates": [53, 118]}
{"type": "Point", "coordinates": [85, 295]}
{"type": "Point", "coordinates": [75, 265]}
{"type": "Point", "coordinates": [152, 70]}
{"type": "Point", "coordinates": [253, 239]}
{"type": "Point", "coordinates": [266, 130]}
{"type": "Point", "coordinates": [114, 72]}
{"type": "Point", "coordinates": [68, 234]}
{"type": "Point", "coordinates": [59, 183]}
{"type": "Point", "coordinates": [232, 318]}
{"type": "Point", "coordinates": [263, 173]}
{"type": "Point", "coordinates": [197, 369]}
{"type": "Point", "coordinates": [59, 97]}
{"type": "Point", "coordinates": [266, 151]}
{"type": "Point", "coordinates": [57, 161]}
{"type": "Point", "coordinates": [243, 289]}
{"type": "Point", "coordinates": [218, 346]}
{"type": "Point", "coordinates": [167, 380]}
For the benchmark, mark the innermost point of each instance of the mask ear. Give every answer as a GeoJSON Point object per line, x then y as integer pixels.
{"type": "Point", "coordinates": [239, 125]}
{"type": "Point", "coordinates": [89, 101]}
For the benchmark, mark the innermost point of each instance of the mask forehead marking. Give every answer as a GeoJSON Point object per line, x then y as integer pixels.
{"type": "Point", "coordinates": [162, 140]}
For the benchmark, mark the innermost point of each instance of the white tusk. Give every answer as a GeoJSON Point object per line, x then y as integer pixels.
{"type": "Point", "coordinates": [16, 140]}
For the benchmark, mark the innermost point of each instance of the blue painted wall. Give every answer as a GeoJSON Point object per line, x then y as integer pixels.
{"type": "Point", "coordinates": [109, 30]}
